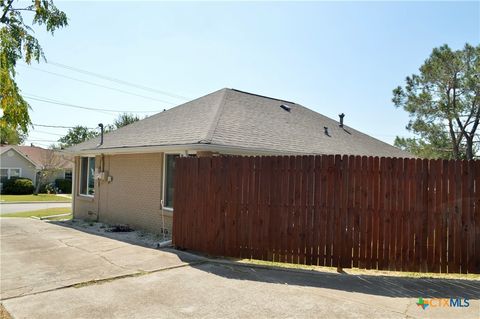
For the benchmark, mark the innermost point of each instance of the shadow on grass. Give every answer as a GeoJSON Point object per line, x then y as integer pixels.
{"type": "Point", "coordinates": [388, 286]}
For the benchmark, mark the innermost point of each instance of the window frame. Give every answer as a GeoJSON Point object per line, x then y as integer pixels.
{"type": "Point", "coordinates": [164, 175]}
{"type": "Point", "coordinates": [9, 174]}
{"type": "Point", "coordinates": [80, 176]}
{"type": "Point", "coordinates": [70, 171]}
{"type": "Point", "coordinates": [16, 168]}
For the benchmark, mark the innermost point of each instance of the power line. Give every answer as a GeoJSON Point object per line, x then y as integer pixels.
{"type": "Point", "coordinates": [57, 126]}
{"type": "Point", "coordinates": [57, 102]}
{"type": "Point", "coordinates": [96, 84]}
{"type": "Point", "coordinates": [41, 140]}
{"type": "Point", "coordinates": [44, 132]}
{"type": "Point", "coordinates": [112, 79]}
{"type": "Point", "coordinates": [64, 104]}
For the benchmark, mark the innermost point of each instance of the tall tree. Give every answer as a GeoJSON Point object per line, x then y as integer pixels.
{"type": "Point", "coordinates": [17, 42]}
{"type": "Point", "coordinates": [11, 136]}
{"type": "Point", "coordinates": [77, 135]}
{"type": "Point", "coordinates": [443, 102]}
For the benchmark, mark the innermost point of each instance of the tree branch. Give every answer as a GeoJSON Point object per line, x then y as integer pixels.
{"type": "Point", "coordinates": [23, 9]}
{"type": "Point", "coordinates": [7, 7]}
{"type": "Point", "coordinates": [477, 120]}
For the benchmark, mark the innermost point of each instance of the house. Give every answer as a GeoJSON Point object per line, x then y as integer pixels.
{"type": "Point", "coordinates": [28, 161]}
{"type": "Point", "coordinates": [128, 177]}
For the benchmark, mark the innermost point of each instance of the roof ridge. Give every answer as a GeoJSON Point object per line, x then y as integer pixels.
{"type": "Point", "coordinates": [216, 118]}
{"type": "Point", "coordinates": [264, 96]}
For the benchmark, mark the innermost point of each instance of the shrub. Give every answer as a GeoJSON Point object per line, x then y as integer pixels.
{"type": "Point", "coordinates": [64, 185]}
{"type": "Point", "coordinates": [18, 186]}
{"type": "Point", "coordinates": [48, 188]}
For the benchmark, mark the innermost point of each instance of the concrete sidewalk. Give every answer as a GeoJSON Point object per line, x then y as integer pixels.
{"type": "Point", "coordinates": [37, 256]}
{"type": "Point", "coordinates": [49, 271]}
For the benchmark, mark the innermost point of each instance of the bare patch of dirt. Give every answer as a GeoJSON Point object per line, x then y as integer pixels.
{"type": "Point", "coordinates": [4, 313]}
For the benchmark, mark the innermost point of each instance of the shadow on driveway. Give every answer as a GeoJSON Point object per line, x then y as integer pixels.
{"type": "Point", "coordinates": [388, 286]}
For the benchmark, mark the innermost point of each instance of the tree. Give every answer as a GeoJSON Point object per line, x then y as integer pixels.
{"type": "Point", "coordinates": [77, 135]}
{"type": "Point", "coordinates": [17, 42]}
{"type": "Point", "coordinates": [11, 136]}
{"type": "Point", "coordinates": [125, 119]}
{"type": "Point", "coordinates": [122, 120]}
{"type": "Point", "coordinates": [51, 163]}
{"type": "Point", "coordinates": [443, 102]}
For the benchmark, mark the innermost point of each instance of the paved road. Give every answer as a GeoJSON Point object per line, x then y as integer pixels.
{"type": "Point", "coordinates": [16, 207]}
{"type": "Point", "coordinates": [53, 271]}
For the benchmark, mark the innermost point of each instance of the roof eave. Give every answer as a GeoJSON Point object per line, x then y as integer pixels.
{"type": "Point", "coordinates": [181, 148]}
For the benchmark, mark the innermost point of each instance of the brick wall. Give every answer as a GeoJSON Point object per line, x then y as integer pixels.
{"type": "Point", "coordinates": [132, 197]}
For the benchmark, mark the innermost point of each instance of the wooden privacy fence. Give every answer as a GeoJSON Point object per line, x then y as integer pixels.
{"type": "Point", "coordinates": [341, 211]}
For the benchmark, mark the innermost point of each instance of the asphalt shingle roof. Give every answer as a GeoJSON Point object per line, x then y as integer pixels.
{"type": "Point", "coordinates": [41, 156]}
{"type": "Point", "coordinates": [237, 119]}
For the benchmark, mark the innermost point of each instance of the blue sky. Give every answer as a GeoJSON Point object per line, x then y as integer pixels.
{"type": "Point", "coordinates": [332, 57]}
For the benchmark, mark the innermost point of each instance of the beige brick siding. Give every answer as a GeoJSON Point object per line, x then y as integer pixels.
{"type": "Point", "coordinates": [132, 197]}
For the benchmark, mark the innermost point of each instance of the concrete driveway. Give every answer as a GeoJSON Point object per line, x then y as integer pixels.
{"type": "Point", "coordinates": [51, 271]}
{"type": "Point", "coordinates": [8, 208]}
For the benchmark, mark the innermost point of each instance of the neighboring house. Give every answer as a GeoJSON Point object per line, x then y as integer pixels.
{"type": "Point", "coordinates": [28, 161]}
{"type": "Point", "coordinates": [129, 178]}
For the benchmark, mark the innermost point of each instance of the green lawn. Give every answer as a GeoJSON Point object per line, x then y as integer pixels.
{"type": "Point", "coordinates": [34, 198]}
{"type": "Point", "coordinates": [43, 213]}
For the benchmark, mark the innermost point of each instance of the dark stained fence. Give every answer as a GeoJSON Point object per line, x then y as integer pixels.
{"type": "Point", "coordinates": [341, 211]}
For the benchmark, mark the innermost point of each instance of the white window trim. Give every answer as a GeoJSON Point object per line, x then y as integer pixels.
{"type": "Point", "coordinates": [80, 177]}
{"type": "Point", "coordinates": [65, 172]}
{"type": "Point", "coordinates": [9, 175]}
{"type": "Point", "coordinates": [170, 209]}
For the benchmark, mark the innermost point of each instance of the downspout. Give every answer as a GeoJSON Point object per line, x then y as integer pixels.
{"type": "Point", "coordinates": [101, 169]}
{"type": "Point", "coordinates": [74, 186]}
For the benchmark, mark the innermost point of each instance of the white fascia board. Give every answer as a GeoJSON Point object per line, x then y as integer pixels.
{"type": "Point", "coordinates": [181, 149]}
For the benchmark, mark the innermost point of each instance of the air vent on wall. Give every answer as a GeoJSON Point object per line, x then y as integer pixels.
{"type": "Point", "coordinates": [285, 107]}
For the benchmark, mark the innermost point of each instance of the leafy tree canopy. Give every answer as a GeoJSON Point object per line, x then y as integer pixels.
{"type": "Point", "coordinates": [443, 102]}
{"type": "Point", "coordinates": [125, 119]}
{"type": "Point", "coordinates": [16, 43]}
{"type": "Point", "coordinates": [77, 135]}
{"type": "Point", "coordinates": [122, 120]}
{"type": "Point", "coordinates": [11, 136]}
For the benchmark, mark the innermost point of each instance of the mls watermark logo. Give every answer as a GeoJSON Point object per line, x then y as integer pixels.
{"type": "Point", "coordinates": [425, 303]}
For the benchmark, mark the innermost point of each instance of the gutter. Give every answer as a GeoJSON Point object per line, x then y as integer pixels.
{"type": "Point", "coordinates": [233, 150]}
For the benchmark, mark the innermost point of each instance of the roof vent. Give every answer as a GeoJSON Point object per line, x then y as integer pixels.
{"type": "Point", "coordinates": [341, 119]}
{"type": "Point", "coordinates": [325, 130]}
{"type": "Point", "coordinates": [285, 107]}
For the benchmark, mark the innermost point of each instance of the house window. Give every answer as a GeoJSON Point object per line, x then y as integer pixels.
{"type": "Point", "coordinates": [7, 173]}
{"type": "Point", "coordinates": [3, 174]}
{"type": "Point", "coordinates": [68, 175]}
{"type": "Point", "coordinates": [169, 174]}
{"type": "Point", "coordinates": [15, 172]}
{"type": "Point", "coordinates": [87, 176]}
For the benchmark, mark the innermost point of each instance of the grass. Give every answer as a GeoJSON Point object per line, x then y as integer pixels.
{"type": "Point", "coordinates": [43, 213]}
{"type": "Point", "coordinates": [363, 272]}
{"type": "Point", "coordinates": [34, 198]}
